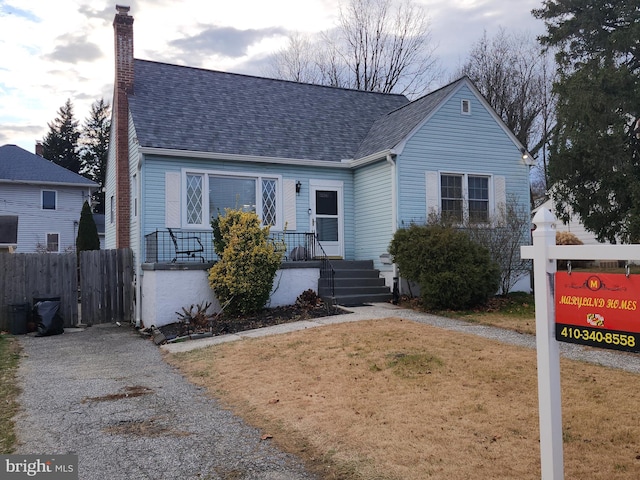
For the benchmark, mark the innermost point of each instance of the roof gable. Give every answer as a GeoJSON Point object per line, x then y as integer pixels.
{"type": "Point", "coordinates": [19, 165]}
{"type": "Point", "coordinates": [186, 108]}
{"type": "Point", "coordinates": [395, 127]}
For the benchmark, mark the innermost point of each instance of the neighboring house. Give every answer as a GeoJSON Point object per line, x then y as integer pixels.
{"type": "Point", "coordinates": [98, 218]}
{"type": "Point", "coordinates": [46, 198]}
{"type": "Point", "coordinates": [345, 166]}
{"type": "Point", "coordinates": [574, 226]}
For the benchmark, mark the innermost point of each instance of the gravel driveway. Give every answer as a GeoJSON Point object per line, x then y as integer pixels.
{"type": "Point", "coordinates": [86, 393]}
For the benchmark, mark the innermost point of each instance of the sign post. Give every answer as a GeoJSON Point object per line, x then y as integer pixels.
{"type": "Point", "coordinates": [548, 353]}
{"type": "Point", "coordinates": [610, 322]}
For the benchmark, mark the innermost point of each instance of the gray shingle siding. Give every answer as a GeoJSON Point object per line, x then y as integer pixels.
{"type": "Point", "coordinates": [192, 109]}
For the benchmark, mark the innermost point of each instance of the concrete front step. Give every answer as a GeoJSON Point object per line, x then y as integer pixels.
{"type": "Point", "coordinates": [353, 300]}
{"type": "Point", "coordinates": [352, 282]}
{"type": "Point", "coordinates": [352, 264]}
{"type": "Point", "coordinates": [355, 282]}
{"type": "Point", "coordinates": [349, 291]}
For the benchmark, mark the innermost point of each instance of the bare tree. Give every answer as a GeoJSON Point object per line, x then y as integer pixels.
{"type": "Point", "coordinates": [297, 61]}
{"type": "Point", "coordinates": [511, 72]}
{"type": "Point", "coordinates": [378, 45]}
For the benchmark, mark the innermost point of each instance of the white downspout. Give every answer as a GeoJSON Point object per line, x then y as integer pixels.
{"type": "Point", "coordinates": [394, 202]}
{"type": "Point", "coordinates": [138, 205]}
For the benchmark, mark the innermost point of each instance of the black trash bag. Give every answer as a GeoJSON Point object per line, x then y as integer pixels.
{"type": "Point", "coordinates": [47, 318]}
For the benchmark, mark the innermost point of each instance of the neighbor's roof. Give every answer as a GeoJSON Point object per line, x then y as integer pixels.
{"type": "Point", "coordinates": [186, 108]}
{"type": "Point", "coordinates": [19, 165]}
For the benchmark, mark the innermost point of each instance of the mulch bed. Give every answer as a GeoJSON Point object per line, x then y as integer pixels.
{"type": "Point", "coordinates": [227, 324]}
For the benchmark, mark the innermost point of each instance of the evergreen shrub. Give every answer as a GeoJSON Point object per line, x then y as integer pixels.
{"type": "Point", "coordinates": [87, 238]}
{"type": "Point", "coordinates": [243, 276]}
{"type": "Point", "coordinates": [453, 272]}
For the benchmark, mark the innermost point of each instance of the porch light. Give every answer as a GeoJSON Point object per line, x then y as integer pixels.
{"type": "Point", "coordinates": [525, 155]}
{"type": "Point", "coordinates": [298, 186]}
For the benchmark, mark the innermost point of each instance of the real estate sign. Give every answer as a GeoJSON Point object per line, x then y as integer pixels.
{"type": "Point", "coordinates": [600, 310]}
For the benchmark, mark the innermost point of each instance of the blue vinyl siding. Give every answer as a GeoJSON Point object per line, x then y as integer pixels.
{"type": "Point", "coordinates": [153, 188]}
{"type": "Point", "coordinates": [110, 191]}
{"type": "Point", "coordinates": [374, 215]}
{"type": "Point", "coordinates": [452, 142]}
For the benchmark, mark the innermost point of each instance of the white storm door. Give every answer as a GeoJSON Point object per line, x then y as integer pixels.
{"type": "Point", "coordinates": [327, 221]}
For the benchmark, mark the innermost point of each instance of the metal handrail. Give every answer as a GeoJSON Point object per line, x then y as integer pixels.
{"type": "Point", "coordinates": [326, 269]}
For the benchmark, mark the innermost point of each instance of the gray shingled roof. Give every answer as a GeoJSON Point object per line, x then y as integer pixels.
{"type": "Point", "coordinates": [17, 164]}
{"type": "Point", "coordinates": [187, 108]}
{"type": "Point", "coordinates": [391, 129]}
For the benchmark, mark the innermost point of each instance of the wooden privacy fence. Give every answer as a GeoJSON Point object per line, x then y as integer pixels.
{"type": "Point", "coordinates": [27, 277]}
{"type": "Point", "coordinates": [106, 285]}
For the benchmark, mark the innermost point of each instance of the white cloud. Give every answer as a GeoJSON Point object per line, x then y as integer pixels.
{"type": "Point", "coordinates": [54, 50]}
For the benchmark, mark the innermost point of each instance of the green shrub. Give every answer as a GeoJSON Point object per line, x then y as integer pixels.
{"type": "Point", "coordinates": [248, 261]}
{"type": "Point", "coordinates": [87, 238]}
{"type": "Point", "coordinates": [453, 272]}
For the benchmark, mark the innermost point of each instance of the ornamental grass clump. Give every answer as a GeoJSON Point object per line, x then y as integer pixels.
{"type": "Point", "coordinates": [243, 277]}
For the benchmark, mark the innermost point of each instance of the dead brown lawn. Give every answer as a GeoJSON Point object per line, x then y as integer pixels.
{"type": "Point", "coordinates": [392, 399]}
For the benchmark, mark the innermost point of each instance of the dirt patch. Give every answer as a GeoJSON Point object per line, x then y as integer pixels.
{"type": "Point", "coordinates": [128, 392]}
{"type": "Point", "coordinates": [392, 399]}
{"type": "Point", "coordinates": [152, 427]}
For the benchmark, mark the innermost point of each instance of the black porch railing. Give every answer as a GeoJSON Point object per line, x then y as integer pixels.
{"type": "Point", "coordinates": [189, 246]}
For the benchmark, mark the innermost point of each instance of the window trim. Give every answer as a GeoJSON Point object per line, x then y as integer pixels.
{"type": "Point", "coordinates": [467, 102]}
{"type": "Point", "coordinates": [46, 239]}
{"type": "Point", "coordinates": [465, 192]}
{"type": "Point", "coordinates": [206, 214]}
{"type": "Point", "coordinates": [55, 199]}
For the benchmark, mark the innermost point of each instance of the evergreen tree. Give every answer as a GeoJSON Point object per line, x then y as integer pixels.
{"type": "Point", "coordinates": [594, 163]}
{"type": "Point", "coordinates": [94, 145]}
{"type": "Point", "coordinates": [87, 231]}
{"type": "Point", "coordinates": [60, 144]}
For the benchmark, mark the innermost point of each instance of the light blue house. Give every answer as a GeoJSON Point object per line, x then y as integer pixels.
{"type": "Point", "coordinates": [44, 200]}
{"type": "Point", "coordinates": [337, 170]}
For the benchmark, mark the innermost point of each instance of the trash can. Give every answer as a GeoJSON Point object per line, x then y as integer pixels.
{"type": "Point", "coordinates": [18, 318]}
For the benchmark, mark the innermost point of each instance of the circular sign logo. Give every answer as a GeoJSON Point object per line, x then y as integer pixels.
{"type": "Point", "coordinates": [594, 283]}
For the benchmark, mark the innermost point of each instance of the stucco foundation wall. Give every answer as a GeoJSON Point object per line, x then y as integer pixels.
{"type": "Point", "coordinates": [290, 283]}
{"type": "Point", "coordinates": [165, 291]}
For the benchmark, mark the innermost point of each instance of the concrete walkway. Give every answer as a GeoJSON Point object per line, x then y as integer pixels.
{"type": "Point", "coordinates": [609, 358]}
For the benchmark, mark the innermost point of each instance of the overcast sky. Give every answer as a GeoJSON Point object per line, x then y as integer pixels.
{"type": "Point", "coordinates": [54, 50]}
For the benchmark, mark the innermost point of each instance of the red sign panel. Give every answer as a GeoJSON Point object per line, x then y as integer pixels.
{"type": "Point", "coordinates": [601, 310]}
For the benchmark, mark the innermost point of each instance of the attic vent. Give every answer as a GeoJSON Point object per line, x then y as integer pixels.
{"type": "Point", "coordinates": [465, 107]}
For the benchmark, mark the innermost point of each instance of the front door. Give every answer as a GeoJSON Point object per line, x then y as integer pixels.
{"type": "Point", "coordinates": [326, 205]}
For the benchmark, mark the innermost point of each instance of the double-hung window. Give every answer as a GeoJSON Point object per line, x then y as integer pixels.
{"type": "Point", "coordinates": [208, 194]}
{"type": "Point", "coordinates": [53, 242]}
{"type": "Point", "coordinates": [464, 197]}
{"type": "Point", "coordinates": [48, 199]}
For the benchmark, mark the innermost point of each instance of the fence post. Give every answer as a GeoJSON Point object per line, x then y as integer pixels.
{"type": "Point", "coordinates": [548, 352]}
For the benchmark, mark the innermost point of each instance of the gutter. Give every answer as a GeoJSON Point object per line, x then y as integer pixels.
{"type": "Point", "coordinates": [342, 164]}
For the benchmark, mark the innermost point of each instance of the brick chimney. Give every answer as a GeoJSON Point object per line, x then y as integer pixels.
{"type": "Point", "coordinates": [123, 86]}
{"type": "Point", "coordinates": [39, 148]}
